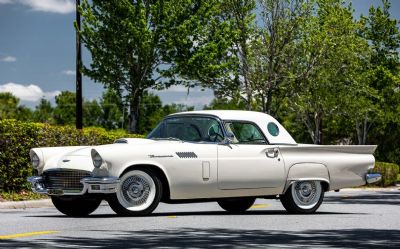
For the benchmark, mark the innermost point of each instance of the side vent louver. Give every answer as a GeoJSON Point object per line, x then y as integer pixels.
{"type": "Point", "coordinates": [186, 154]}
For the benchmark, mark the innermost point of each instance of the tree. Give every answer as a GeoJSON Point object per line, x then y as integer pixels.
{"type": "Point", "coordinates": [113, 110]}
{"type": "Point", "coordinates": [64, 112]}
{"type": "Point", "coordinates": [328, 73]}
{"type": "Point", "coordinates": [10, 108]}
{"type": "Point", "coordinates": [153, 111]}
{"type": "Point", "coordinates": [92, 113]}
{"type": "Point", "coordinates": [280, 31]}
{"type": "Point", "coordinates": [382, 33]}
{"type": "Point", "coordinates": [8, 105]}
{"type": "Point", "coordinates": [134, 44]}
{"type": "Point", "coordinates": [219, 51]}
{"type": "Point", "coordinates": [43, 112]}
{"type": "Point", "coordinates": [241, 16]}
{"type": "Point", "coordinates": [226, 104]}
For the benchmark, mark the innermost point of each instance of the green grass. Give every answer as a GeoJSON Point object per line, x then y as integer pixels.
{"type": "Point", "coordinates": [24, 195]}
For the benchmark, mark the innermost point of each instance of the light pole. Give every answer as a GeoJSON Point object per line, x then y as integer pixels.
{"type": "Point", "coordinates": [78, 69]}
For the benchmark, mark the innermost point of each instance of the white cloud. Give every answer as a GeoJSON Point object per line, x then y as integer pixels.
{"type": "Point", "coordinates": [30, 93]}
{"type": "Point", "coordinates": [53, 6]}
{"type": "Point", "coordinates": [8, 58]}
{"type": "Point", "coordinates": [69, 72]}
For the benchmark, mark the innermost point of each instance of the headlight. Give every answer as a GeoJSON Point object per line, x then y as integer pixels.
{"type": "Point", "coordinates": [96, 158]}
{"type": "Point", "coordinates": [35, 160]}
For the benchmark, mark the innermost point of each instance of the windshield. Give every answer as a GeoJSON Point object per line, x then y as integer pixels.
{"type": "Point", "coordinates": [193, 129]}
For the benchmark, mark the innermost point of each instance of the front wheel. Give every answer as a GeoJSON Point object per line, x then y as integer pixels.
{"type": "Point", "coordinates": [139, 193]}
{"type": "Point", "coordinates": [236, 205]}
{"type": "Point", "coordinates": [75, 206]}
{"type": "Point", "coordinates": [303, 197]}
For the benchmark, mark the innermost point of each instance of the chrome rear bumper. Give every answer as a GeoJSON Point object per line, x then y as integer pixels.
{"type": "Point", "coordinates": [373, 177]}
{"type": "Point", "coordinates": [95, 185]}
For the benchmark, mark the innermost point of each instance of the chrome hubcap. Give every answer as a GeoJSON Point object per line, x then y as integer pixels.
{"type": "Point", "coordinates": [136, 190]}
{"type": "Point", "coordinates": [305, 192]}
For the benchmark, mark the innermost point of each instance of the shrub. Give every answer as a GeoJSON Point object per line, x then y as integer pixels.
{"type": "Point", "coordinates": [17, 138]}
{"type": "Point", "coordinates": [389, 172]}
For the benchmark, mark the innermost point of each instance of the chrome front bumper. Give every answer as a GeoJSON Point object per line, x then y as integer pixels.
{"type": "Point", "coordinates": [92, 185]}
{"type": "Point", "coordinates": [373, 177]}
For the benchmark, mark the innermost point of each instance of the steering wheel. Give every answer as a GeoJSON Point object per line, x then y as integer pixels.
{"type": "Point", "coordinates": [197, 130]}
{"type": "Point", "coordinates": [211, 133]}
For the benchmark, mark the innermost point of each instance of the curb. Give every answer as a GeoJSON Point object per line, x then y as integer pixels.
{"type": "Point", "coordinates": [370, 189]}
{"type": "Point", "coordinates": [26, 204]}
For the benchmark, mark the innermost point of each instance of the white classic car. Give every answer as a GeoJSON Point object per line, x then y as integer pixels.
{"type": "Point", "coordinates": [232, 157]}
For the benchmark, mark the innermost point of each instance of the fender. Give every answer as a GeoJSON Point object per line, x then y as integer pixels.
{"type": "Point", "coordinates": [139, 163]}
{"type": "Point", "coordinates": [307, 171]}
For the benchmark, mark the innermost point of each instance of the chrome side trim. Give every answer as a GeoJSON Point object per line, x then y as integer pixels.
{"type": "Point", "coordinates": [373, 177]}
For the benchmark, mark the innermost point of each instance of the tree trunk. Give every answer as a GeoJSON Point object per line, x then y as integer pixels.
{"type": "Point", "coordinates": [362, 131]}
{"type": "Point", "coordinates": [134, 108]}
{"type": "Point", "coordinates": [318, 128]}
{"type": "Point", "coordinates": [268, 102]}
{"type": "Point", "coordinates": [264, 109]}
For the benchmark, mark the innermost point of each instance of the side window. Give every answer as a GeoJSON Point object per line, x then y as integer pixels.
{"type": "Point", "coordinates": [245, 133]}
{"type": "Point", "coordinates": [174, 129]}
{"type": "Point", "coordinates": [190, 128]}
{"type": "Point", "coordinates": [214, 132]}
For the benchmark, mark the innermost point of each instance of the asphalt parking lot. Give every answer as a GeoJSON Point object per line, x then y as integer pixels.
{"type": "Point", "coordinates": [348, 219]}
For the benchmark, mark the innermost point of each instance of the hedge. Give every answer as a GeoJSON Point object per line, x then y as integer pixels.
{"type": "Point", "coordinates": [17, 138]}
{"type": "Point", "coordinates": [389, 172]}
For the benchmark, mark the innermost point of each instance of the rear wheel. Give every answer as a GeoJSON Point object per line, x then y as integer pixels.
{"type": "Point", "coordinates": [303, 197]}
{"type": "Point", "coordinates": [139, 193]}
{"type": "Point", "coordinates": [75, 206]}
{"type": "Point", "coordinates": [236, 205]}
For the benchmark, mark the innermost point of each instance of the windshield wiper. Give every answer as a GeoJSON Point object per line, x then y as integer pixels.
{"type": "Point", "coordinates": [167, 138]}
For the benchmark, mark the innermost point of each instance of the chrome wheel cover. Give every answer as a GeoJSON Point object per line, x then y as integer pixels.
{"type": "Point", "coordinates": [136, 191]}
{"type": "Point", "coordinates": [306, 194]}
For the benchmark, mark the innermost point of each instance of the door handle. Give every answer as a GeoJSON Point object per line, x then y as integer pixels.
{"type": "Point", "coordinates": [272, 153]}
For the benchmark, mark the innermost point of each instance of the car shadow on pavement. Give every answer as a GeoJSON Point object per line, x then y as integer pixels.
{"type": "Point", "coordinates": [194, 213]}
{"type": "Point", "coordinates": [220, 238]}
{"type": "Point", "coordinates": [377, 198]}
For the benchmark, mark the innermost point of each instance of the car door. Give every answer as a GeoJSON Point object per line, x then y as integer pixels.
{"type": "Point", "coordinates": [248, 162]}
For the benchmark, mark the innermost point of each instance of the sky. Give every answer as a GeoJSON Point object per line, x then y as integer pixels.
{"type": "Point", "coordinates": [37, 52]}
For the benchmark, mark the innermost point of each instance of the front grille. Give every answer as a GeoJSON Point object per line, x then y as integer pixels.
{"type": "Point", "coordinates": [65, 179]}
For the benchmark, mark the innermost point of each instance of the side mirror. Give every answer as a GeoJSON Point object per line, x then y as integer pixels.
{"type": "Point", "coordinates": [230, 137]}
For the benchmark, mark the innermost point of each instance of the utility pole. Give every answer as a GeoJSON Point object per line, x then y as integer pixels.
{"type": "Point", "coordinates": [78, 69]}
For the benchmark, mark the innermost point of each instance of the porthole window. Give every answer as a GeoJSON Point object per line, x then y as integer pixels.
{"type": "Point", "coordinates": [273, 129]}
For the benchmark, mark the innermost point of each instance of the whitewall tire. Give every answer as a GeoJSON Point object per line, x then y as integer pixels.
{"type": "Point", "coordinates": [303, 197]}
{"type": "Point", "coordinates": [139, 193]}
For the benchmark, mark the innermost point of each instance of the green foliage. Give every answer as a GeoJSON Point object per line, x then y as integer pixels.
{"type": "Point", "coordinates": [64, 112]}
{"type": "Point", "coordinates": [17, 138]}
{"type": "Point", "coordinates": [389, 172]}
{"type": "Point", "coordinates": [8, 105]}
{"type": "Point", "coordinates": [137, 45]}
{"type": "Point", "coordinates": [10, 108]}
{"type": "Point", "coordinates": [153, 111]}
{"type": "Point", "coordinates": [43, 112]}
{"type": "Point", "coordinates": [220, 50]}
{"type": "Point", "coordinates": [23, 195]}
{"type": "Point", "coordinates": [226, 104]}
{"type": "Point", "coordinates": [113, 110]}
{"type": "Point", "coordinates": [92, 113]}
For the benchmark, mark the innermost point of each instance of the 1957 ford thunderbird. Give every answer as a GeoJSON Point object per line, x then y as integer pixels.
{"type": "Point", "coordinates": [231, 157]}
